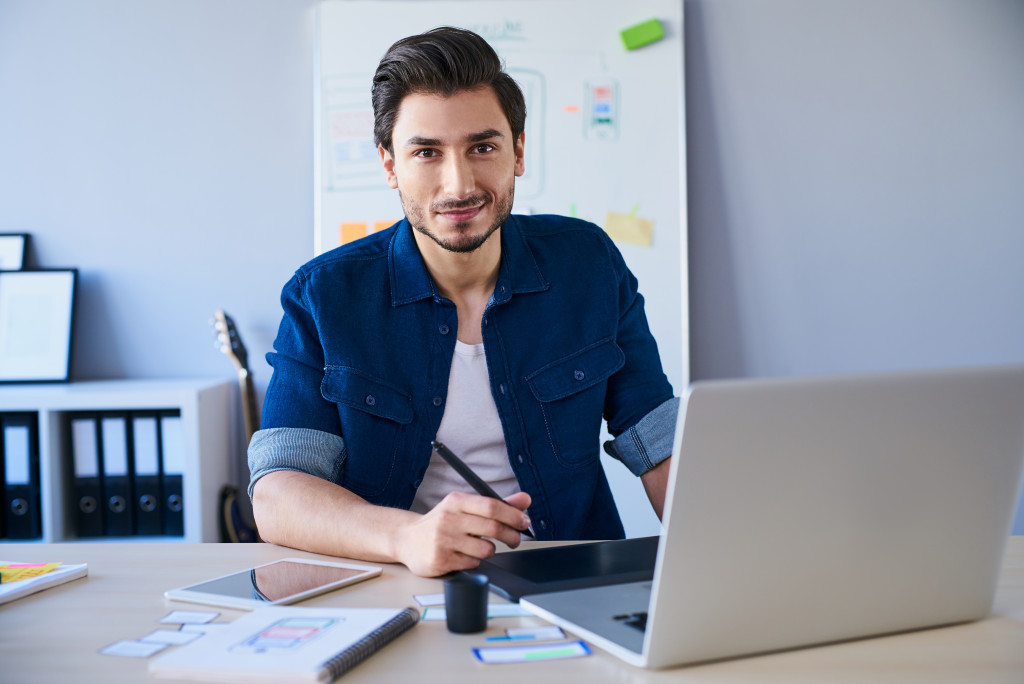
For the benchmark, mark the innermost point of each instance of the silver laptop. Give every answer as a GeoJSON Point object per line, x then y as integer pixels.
{"type": "Point", "coordinates": [814, 510]}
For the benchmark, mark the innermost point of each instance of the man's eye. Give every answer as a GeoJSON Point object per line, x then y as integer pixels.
{"type": "Point", "coordinates": [426, 154]}
{"type": "Point", "coordinates": [483, 147]}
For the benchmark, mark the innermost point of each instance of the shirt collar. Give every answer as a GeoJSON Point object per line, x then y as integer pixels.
{"type": "Point", "coordinates": [410, 280]}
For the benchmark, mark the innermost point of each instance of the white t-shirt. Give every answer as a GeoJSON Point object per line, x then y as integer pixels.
{"type": "Point", "coordinates": [471, 429]}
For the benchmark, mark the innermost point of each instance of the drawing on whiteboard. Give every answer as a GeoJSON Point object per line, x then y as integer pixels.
{"type": "Point", "coordinates": [602, 120]}
{"type": "Point", "coordinates": [531, 184]}
{"type": "Point", "coordinates": [351, 156]}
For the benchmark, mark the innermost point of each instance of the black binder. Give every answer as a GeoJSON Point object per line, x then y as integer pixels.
{"type": "Point", "coordinates": [87, 486]}
{"type": "Point", "coordinates": [172, 468]}
{"type": "Point", "coordinates": [148, 502]}
{"type": "Point", "coordinates": [19, 442]}
{"type": "Point", "coordinates": [3, 490]}
{"type": "Point", "coordinates": [115, 450]}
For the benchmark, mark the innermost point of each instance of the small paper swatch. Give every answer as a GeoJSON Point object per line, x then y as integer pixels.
{"type": "Point", "coordinates": [188, 617]}
{"type": "Point", "coordinates": [429, 599]}
{"type": "Point", "coordinates": [550, 633]}
{"type": "Point", "coordinates": [494, 610]}
{"type": "Point", "coordinates": [524, 654]}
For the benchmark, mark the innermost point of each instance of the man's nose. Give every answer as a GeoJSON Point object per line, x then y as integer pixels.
{"type": "Point", "coordinates": [459, 180]}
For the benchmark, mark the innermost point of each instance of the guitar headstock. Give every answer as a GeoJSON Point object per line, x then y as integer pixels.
{"type": "Point", "coordinates": [230, 341]}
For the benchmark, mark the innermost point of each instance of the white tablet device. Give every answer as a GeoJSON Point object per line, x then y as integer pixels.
{"type": "Point", "coordinates": [283, 581]}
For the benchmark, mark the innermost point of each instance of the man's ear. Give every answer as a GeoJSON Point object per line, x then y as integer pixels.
{"type": "Point", "coordinates": [389, 167]}
{"type": "Point", "coordinates": [521, 154]}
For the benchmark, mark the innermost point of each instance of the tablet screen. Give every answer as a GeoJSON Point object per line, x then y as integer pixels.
{"type": "Point", "coordinates": [276, 581]}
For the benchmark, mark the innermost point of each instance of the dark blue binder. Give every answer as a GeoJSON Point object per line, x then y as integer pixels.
{"type": "Point", "coordinates": [19, 444]}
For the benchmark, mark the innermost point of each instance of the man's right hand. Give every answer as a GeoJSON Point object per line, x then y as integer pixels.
{"type": "Point", "coordinates": [456, 534]}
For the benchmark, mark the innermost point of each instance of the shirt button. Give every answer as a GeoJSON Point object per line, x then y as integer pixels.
{"type": "Point", "coordinates": [444, 329]}
{"type": "Point", "coordinates": [521, 459]}
{"type": "Point", "coordinates": [543, 525]}
{"type": "Point", "coordinates": [371, 400]}
{"type": "Point", "coordinates": [502, 387]}
{"type": "Point", "coordinates": [438, 401]}
{"type": "Point", "coordinates": [578, 374]}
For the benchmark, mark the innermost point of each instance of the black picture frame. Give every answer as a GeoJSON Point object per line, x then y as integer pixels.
{"type": "Point", "coordinates": [36, 323]}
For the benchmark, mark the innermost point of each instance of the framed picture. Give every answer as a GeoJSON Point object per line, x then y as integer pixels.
{"type": "Point", "coordinates": [13, 247]}
{"type": "Point", "coordinates": [36, 314]}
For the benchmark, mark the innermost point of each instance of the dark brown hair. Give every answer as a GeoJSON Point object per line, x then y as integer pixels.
{"type": "Point", "coordinates": [443, 61]}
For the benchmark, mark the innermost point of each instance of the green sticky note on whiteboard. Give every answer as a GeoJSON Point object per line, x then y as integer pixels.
{"type": "Point", "coordinates": [642, 34]}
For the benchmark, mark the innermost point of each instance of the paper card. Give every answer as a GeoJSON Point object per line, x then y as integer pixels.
{"type": "Point", "coordinates": [189, 617]}
{"type": "Point", "coordinates": [170, 636]}
{"type": "Point", "coordinates": [494, 610]}
{"type": "Point", "coordinates": [550, 633]}
{"type": "Point", "coordinates": [133, 649]}
{"type": "Point", "coordinates": [429, 599]}
{"type": "Point", "coordinates": [524, 654]}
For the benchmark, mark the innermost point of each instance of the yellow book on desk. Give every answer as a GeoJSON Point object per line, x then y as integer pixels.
{"type": "Point", "coordinates": [286, 643]}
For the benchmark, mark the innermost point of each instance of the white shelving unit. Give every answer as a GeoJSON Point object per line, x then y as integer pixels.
{"type": "Point", "coordinates": [206, 408]}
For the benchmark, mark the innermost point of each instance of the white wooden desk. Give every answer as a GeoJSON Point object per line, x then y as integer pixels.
{"type": "Point", "coordinates": [55, 635]}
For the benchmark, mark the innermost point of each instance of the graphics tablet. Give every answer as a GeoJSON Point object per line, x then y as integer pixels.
{"type": "Point", "coordinates": [281, 582]}
{"type": "Point", "coordinates": [514, 574]}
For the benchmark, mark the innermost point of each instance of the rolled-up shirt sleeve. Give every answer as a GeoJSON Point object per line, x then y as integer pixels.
{"type": "Point", "coordinates": [649, 441]}
{"type": "Point", "coordinates": [317, 453]}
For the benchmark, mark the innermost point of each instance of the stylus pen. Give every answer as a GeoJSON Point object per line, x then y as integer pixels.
{"type": "Point", "coordinates": [472, 478]}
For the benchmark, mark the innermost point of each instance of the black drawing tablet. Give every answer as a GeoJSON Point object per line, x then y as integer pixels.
{"type": "Point", "coordinates": [558, 568]}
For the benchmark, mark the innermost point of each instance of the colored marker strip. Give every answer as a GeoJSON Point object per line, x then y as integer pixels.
{"type": "Point", "coordinates": [525, 654]}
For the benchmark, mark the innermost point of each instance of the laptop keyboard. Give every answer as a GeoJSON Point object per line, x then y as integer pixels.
{"type": "Point", "coordinates": [634, 620]}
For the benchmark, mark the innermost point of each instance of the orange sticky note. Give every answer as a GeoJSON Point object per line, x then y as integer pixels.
{"type": "Point", "coordinates": [382, 225]}
{"type": "Point", "coordinates": [352, 231]}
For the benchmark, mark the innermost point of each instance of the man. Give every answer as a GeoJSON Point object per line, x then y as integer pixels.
{"type": "Point", "coordinates": [507, 338]}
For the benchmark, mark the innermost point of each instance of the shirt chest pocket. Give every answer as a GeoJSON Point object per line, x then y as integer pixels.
{"type": "Point", "coordinates": [374, 414]}
{"type": "Point", "coordinates": [571, 392]}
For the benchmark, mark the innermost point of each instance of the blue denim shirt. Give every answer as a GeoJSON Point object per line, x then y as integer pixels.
{"type": "Point", "coordinates": [365, 348]}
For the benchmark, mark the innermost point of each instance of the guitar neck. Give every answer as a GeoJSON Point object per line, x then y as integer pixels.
{"type": "Point", "coordinates": [250, 411]}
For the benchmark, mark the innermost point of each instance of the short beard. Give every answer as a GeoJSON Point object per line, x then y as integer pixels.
{"type": "Point", "coordinates": [463, 244]}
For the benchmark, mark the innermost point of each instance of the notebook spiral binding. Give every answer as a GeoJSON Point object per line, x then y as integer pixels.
{"type": "Point", "coordinates": [371, 643]}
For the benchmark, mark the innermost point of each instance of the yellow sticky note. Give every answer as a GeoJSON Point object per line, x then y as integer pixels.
{"type": "Point", "coordinates": [352, 231]}
{"type": "Point", "coordinates": [12, 572]}
{"type": "Point", "coordinates": [628, 228]}
{"type": "Point", "coordinates": [382, 225]}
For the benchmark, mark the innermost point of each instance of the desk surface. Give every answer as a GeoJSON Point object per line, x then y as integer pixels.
{"type": "Point", "coordinates": [55, 635]}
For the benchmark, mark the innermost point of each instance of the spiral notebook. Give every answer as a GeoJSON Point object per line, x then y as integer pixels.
{"type": "Point", "coordinates": [286, 643]}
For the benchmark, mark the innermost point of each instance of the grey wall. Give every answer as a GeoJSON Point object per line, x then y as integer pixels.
{"type": "Point", "coordinates": [855, 185]}
{"type": "Point", "coordinates": [854, 177]}
{"type": "Point", "coordinates": [164, 148]}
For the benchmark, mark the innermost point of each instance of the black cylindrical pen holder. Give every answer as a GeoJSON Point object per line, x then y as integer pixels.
{"type": "Point", "coordinates": [465, 600]}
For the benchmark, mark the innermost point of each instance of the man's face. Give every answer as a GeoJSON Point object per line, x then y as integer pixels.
{"type": "Point", "coordinates": [454, 166]}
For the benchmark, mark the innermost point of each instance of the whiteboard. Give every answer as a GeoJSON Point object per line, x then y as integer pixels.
{"type": "Point", "coordinates": [605, 137]}
{"type": "Point", "coordinates": [568, 57]}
